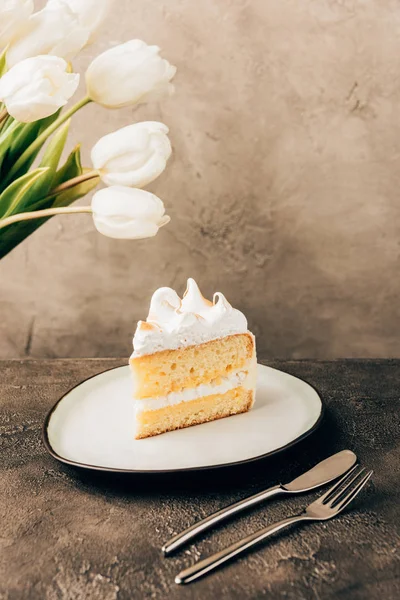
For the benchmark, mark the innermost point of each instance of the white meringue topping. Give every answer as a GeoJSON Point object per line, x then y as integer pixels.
{"type": "Point", "coordinates": [174, 323]}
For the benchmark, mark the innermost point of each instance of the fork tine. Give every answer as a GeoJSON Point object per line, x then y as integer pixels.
{"type": "Point", "coordinates": [342, 490]}
{"type": "Point", "coordinates": [340, 504]}
{"type": "Point", "coordinates": [337, 485]}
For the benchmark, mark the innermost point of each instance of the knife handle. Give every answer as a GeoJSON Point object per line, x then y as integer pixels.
{"type": "Point", "coordinates": [212, 562]}
{"type": "Point", "coordinates": [204, 524]}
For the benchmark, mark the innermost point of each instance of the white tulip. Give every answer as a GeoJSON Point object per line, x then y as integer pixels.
{"type": "Point", "coordinates": [36, 87]}
{"type": "Point", "coordinates": [134, 155]}
{"type": "Point", "coordinates": [13, 15]}
{"type": "Point", "coordinates": [127, 213]}
{"type": "Point", "coordinates": [91, 13]}
{"type": "Point", "coordinates": [54, 30]}
{"type": "Point", "coordinates": [129, 74]}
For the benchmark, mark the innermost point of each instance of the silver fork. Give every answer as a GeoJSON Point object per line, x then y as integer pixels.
{"type": "Point", "coordinates": [326, 507]}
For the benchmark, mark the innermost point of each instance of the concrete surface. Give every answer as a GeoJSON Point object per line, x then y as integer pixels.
{"type": "Point", "coordinates": [68, 534]}
{"type": "Point", "coordinates": [283, 187]}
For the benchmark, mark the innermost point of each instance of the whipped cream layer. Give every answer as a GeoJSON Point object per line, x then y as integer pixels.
{"type": "Point", "coordinates": [245, 377]}
{"type": "Point", "coordinates": [174, 322]}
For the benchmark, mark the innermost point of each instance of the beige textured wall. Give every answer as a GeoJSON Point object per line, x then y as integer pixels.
{"type": "Point", "coordinates": [283, 188]}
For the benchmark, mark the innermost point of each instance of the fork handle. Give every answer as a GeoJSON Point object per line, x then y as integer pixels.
{"type": "Point", "coordinates": [212, 562]}
{"type": "Point", "coordinates": [228, 511]}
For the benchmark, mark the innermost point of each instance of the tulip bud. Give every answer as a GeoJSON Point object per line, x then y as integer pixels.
{"type": "Point", "coordinates": [91, 13]}
{"type": "Point", "coordinates": [54, 30]}
{"type": "Point", "coordinates": [128, 74]}
{"type": "Point", "coordinates": [36, 87]}
{"type": "Point", "coordinates": [134, 155]}
{"type": "Point", "coordinates": [127, 213]}
{"type": "Point", "coordinates": [13, 15]}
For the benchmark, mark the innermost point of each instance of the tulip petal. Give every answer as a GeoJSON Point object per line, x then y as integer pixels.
{"type": "Point", "coordinates": [90, 13]}
{"type": "Point", "coordinates": [37, 87]}
{"type": "Point", "coordinates": [127, 230]}
{"type": "Point", "coordinates": [134, 155]}
{"type": "Point", "coordinates": [128, 213]}
{"type": "Point", "coordinates": [127, 202]}
{"type": "Point", "coordinates": [164, 221]}
{"type": "Point", "coordinates": [54, 30]}
{"type": "Point", "coordinates": [127, 74]}
{"type": "Point", "coordinates": [13, 16]}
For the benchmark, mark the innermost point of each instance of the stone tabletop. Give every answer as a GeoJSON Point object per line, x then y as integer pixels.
{"type": "Point", "coordinates": [69, 534]}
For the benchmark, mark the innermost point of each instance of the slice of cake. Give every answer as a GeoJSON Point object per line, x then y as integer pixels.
{"type": "Point", "coordinates": [193, 361]}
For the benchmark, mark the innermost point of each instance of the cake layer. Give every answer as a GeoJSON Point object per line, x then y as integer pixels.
{"type": "Point", "coordinates": [168, 371]}
{"type": "Point", "coordinates": [201, 410]}
{"type": "Point", "coordinates": [219, 386]}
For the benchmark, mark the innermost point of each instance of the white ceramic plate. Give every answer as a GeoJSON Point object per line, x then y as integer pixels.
{"type": "Point", "coordinates": [92, 427]}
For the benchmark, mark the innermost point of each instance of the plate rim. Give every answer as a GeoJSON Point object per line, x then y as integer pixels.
{"type": "Point", "coordinates": [73, 463]}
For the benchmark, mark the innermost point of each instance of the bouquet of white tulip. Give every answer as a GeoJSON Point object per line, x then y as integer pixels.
{"type": "Point", "coordinates": [36, 81]}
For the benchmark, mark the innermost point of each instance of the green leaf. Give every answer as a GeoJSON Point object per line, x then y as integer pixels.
{"type": "Point", "coordinates": [78, 191]}
{"type": "Point", "coordinates": [23, 136]}
{"type": "Point", "coordinates": [70, 169]}
{"type": "Point", "coordinates": [50, 160]}
{"type": "Point", "coordinates": [55, 147]}
{"type": "Point", "coordinates": [16, 233]}
{"type": "Point", "coordinates": [18, 194]}
{"type": "Point", "coordinates": [3, 63]}
{"type": "Point", "coordinates": [7, 123]}
{"type": "Point", "coordinates": [6, 140]}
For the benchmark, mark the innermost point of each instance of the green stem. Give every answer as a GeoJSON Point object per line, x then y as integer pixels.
{"type": "Point", "coordinates": [6, 124]}
{"type": "Point", "coordinates": [9, 131]}
{"type": "Point", "coordinates": [44, 135]}
{"type": "Point", "coordinates": [47, 212]}
{"type": "Point", "coordinates": [72, 182]}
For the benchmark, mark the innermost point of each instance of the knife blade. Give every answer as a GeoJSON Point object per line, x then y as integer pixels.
{"type": "Point", "coordinates": [322, 473]}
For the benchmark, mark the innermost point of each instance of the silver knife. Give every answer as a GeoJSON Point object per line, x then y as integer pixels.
{"type": "Point", "coordinates": [324, 472]}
